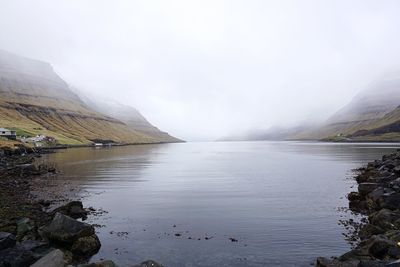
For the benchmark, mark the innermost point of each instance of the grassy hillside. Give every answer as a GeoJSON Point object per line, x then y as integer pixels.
{"type": "Point", "coordinates": [372, 108]}
{"type": "Point", "coordinates": [127, 114]}
{"type": "Point", "coordinates": [35, 100]}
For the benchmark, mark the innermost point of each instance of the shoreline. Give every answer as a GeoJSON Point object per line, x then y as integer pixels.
{"type": "Point", "coordinates": [377, 198]}
{"type": "Point", "coordinates": [43, 230]}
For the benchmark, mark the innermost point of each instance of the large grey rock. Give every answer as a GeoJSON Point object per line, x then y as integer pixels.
{"type": "Point", "coordinates": [16, 257]}
{"type": "Point", "coordinates": [64, 229]}
{"type": "Point", "coordinates": [7, 240]}
{"type": "Point", "coordinates": [365, 188]}
{"type": "Point", "coordinates": [73, 209]}
{"type": "Point", "coordinates": [54, 258]}
{"type": "Point", "coordinates": [87, 245]}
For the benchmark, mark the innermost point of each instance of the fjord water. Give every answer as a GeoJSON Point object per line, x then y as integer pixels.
{"type": "Point", "coordinates": [280, 200]}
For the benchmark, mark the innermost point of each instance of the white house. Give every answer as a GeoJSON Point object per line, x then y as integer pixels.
{"type": "Point", "coordinates": [8, 133]}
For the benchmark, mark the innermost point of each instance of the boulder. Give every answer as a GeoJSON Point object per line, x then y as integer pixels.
{"type": "Point", "coordinates": [64, 229]}
{"type": "Point", "coordinates": [73, 209]}
{"type": "Point", "coordinates": [391, 201]}
{"type": "Point", "coordinates": [16, 256]}
{"type": "Point", "coordinates": [369, 230]}
{"type": "Point", "coordinates": [384, 218]}
{"type": "Point", "coordinates": [88, 245]}
{"type": "Point", "coordinates": [54, 258]}
{"type": "Point", "coordinates": [365, 188]}
{"type": "Point", "coordinates": [380, 247]}
{"type": "Point", "coordinates": [7, 240]}
{"type": "Point", "coordinates": [353, 196]}
{"type": "Point", "coordinates": [24, 226]}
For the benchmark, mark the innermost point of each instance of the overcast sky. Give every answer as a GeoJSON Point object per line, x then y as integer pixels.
{"type": "Point", "coordinates": [206, 69]}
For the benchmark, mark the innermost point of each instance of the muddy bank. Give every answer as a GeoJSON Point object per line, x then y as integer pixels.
{"type": "Point", "coordinates": [42, 229]}
{"type": "Point", "coordinates": [378, 198]}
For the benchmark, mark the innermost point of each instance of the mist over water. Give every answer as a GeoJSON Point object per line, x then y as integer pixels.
{"type": "Point", "coordinates": [280, 200]}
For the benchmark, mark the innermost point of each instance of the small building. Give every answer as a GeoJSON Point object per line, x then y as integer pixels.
{"type": "Point", "coordinates": [10, 134]}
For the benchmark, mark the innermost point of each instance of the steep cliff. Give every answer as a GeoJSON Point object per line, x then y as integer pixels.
{"type": "Point", "coordinates": [35, 100]}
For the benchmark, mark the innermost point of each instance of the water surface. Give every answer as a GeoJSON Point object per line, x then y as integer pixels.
{"type": "Point", "coordinates": [278, 199]}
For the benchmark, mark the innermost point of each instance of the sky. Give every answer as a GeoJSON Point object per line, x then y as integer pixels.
{"type": "Point", "coordinates": [202, 70]}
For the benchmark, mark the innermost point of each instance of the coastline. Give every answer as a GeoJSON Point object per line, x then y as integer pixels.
{"type": "Point", "coordinates": [377, 198]}
{"type": "Point", "coordinates": [43, 230]}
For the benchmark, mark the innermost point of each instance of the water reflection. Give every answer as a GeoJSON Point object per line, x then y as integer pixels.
{"type": "Point", "coordinates": [279, 199]}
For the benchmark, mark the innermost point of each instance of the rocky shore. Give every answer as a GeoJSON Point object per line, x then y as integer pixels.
{"type": "Point", "coordinates": [32, 232]}
{"type": "Point", "coordinates": [378, 198]}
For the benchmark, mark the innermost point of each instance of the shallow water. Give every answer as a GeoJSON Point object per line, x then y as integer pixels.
{"type": "Point", "coordinates": [280, 200]}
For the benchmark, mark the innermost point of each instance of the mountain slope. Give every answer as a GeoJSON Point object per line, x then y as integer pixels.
{"type": "Point", "coordinates": [369, 109]}
{"type": "Point", "coordinates": [129, 115]}
{"type": "Point", "coordinates": [35, 100]}
{"type": "Point", "coordinates": [372, 115]}
{"type": "Point", "coordinates": [385, 129]}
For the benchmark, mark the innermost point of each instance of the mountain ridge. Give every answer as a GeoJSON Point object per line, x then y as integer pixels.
{"type": "Point", "coordinates": [35, 100]}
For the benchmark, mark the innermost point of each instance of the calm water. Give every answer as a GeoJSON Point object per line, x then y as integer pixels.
{"type": "Point", "coordinates": [278, 199]}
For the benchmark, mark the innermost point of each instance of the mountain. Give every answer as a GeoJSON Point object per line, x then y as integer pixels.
{"type": "Point", "coordinates": [127, 114]}
{"type": "Point", "coordinates": [35, 100]}
{"type": "Point", "coordinates": [372, 115]}
{"type": "Point", "coordinates": [386, 128]}
{"type": "Point", "coordinates": [365, 112]}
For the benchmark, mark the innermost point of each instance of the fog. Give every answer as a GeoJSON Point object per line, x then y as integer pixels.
{"type": "Point", "coordinates": [206, 69]}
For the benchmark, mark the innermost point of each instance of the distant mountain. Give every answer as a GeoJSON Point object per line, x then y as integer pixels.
{"type": "Point", "coordinates": [35, 100]}
{"type": "Point", "coordinates": [363, 112]}
{"type": "Point", "coordinates": [127, 114]}
{"type": "Point", "coordinates": [372, 115]}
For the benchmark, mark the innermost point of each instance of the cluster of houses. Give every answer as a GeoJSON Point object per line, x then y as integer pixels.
{"type": "Point", "coordinates": [38, 140]}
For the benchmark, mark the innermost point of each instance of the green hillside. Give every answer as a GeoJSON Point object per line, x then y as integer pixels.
{"type": "Point", "coordinates": [35, 100]}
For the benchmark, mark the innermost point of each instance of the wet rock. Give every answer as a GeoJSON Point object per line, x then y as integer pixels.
{"type": "Point", "coordinates": [54, 258]}
{"type": "Point", "coordinates": [358, 205]}
{"type": "Point", "coordinates": [64, 229]}
{"type": "Point", "coordinates": [7, 240]}
{"type": "Point", "coordinates": [392, 201]}
{"type": "Point", "coordinates": [148, 263]}
{"type": "Point", "coordinates": [369, 230]}
{"type": "Point", "coordinates": [380, 247]}
{"type": "Point", "coordinates": [88, 245]}
{"type": "Point", "coordinates": [384, 219]}
{"type": "Point", "coordinates": [16, 257]}
{"type": "Point", "coordinates": [375, 198]}
{"type": "Point", "coordinates": [25, 226]}
{"type": "Point", "coordinates": [366, 188]}
{"type": "Point", "coordinates": [73, 209]}
{"type": "Point", "coordinates": [353, 196]}
{"type": "Point", "coordinates": [8, 226]}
